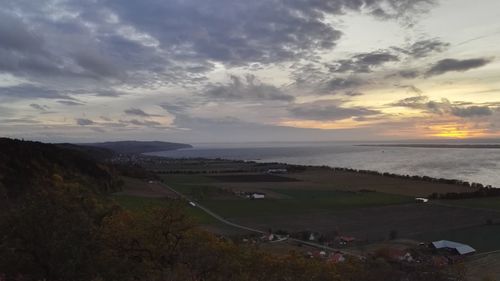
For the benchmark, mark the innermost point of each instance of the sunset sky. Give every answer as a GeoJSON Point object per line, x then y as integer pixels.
{"type": "Point", "coordinates": [260, 70]}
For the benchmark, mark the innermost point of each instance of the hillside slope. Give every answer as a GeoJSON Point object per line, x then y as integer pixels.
{"type": "Point", "coordinates": [27, 165]}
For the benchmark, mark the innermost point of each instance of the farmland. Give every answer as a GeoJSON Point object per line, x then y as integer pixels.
{"type": "Point", "coordinates": [372, 208]}
{"type": "Point", "coordinates": [364, 205]}
{"type": "Point", "coordinates": [321, 200]}
{"type": "Point", "coordinates": [492, 203]}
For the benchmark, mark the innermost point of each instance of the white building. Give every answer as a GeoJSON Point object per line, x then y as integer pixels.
{"type": "Point", "coordinates": [462, 249]}
{"type": "Point", "coordinates": [257, 195]}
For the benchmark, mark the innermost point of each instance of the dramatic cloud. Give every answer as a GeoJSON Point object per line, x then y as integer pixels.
{"type": "Point", "coordinates": [363, 63]}
{"type": "Point", "coordinates": [137, 112]}
{"type": "Point", "coordinates": [247, 88]}
{"type": "Point", "coordinates": [411, 88]}
{"type": "Point", "coordinates": [419, 102]}
{"type": "Point", "coordinates": [191, 68]}
{"type": "Point", "coordinates": [28, 92]}
{"type": "Point", "coordinates": [145, 123]}
{"type": "Point", "coordinates": [38, 107]}
{"type": "Point", "coordinates": [424, 48]}
{"type": "Point", "coordinates": [444, 107]}
{"type": "Point", "coordinates": [16, 36]}
{"type": "Point", "coordinates": [70, 103]}
{"type": "Point", "coordinates": [84, 122]}
{"type": "Point", "coordinates": [447, 65]}
{"type": "Point", "coordinates": [175, 108]}
{"type": "Point", "coordinates": [472, 111]}
{"type": "Point", "coordinates": [329, 110]}
{"type": "Point", "coordinates": [336, 84]}
{"type": "Point", "coordinates": [410, 74]}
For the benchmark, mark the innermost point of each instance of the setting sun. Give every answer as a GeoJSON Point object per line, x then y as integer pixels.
{"type": "Point", "coordinates": [455, 132]}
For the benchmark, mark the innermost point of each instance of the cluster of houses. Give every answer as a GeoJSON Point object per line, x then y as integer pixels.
{"type": "Point", "coordinates": [327, 240]}
{"type": "Point", "coordinates": [265, 238]}
{"type": "Point", "coordinates": [333, 257]}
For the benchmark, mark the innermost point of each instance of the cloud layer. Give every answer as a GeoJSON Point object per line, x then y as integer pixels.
{"type": "Point", "coordinates": [204, 69]}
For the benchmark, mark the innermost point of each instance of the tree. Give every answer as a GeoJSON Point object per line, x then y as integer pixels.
{"type": "Point", "coordinates": [50, 235]}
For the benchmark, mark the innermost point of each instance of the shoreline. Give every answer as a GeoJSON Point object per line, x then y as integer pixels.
{"type": "Point", "coordinates": [474, 186]}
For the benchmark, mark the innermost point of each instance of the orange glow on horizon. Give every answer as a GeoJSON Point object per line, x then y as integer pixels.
{"type": "Point", "coordinates": [453, 131]}
{"type": "Point", "coordinates": [325, 125]}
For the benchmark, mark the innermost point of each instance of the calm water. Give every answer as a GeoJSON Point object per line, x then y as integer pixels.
{"type": "Point", "coordinates": [474, 165]}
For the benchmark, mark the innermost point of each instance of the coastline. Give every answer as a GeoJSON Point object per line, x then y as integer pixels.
{"type": "Point", "coordinates": [239, 166]}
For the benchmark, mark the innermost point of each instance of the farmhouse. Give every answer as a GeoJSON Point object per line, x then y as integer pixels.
{"type": "Point", "coordinates": [461, 249]}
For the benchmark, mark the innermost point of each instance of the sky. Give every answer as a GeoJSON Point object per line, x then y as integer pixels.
{"type": "Point", "coordinates": [249, 71]}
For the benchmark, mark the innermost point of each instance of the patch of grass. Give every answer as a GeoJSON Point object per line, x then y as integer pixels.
{"type": "Point", "coordinates": [492, 203]}
{"type": "Point", "coordinates": [252, 178]}
{"type": "Point", "coordinates": [484, 238]}
{"type": "Point", "coordinates": [303, 201]}
{"type": "Point", "coordinates": [173, 179]}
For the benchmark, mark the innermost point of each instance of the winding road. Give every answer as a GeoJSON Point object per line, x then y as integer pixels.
{"type": "Point", "coordinates": [223, 220]}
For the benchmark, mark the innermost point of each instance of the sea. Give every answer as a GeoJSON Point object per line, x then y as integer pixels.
{"type": "Point", "coordinates": [480, 165]}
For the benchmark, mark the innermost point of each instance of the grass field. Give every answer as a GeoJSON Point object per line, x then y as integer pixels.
{"type": "Point", "coordinates": [253, 178]}
{"type": "Point", "coordinates": [303, 201]}
{"type": "Point", "coordinates": [483, 238]}
{"type": "Point", "coordinates": [492, 203]}
{"type": "Point", "coordinates": [325, 201]}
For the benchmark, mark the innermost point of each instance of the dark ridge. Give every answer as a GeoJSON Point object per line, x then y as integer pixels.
{"type": "Point", "coordinates": [27, 165]}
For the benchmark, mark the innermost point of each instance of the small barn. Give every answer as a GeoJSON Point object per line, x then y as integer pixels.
{"type": "Point", "coordinates": [257, 195]}
{"type": "Point", "coordinates": [459, 248]}
{"type": "Point", "coordinates": [254, 195]}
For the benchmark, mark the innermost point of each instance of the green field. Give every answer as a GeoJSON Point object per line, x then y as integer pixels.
{"type": "Point", "coordinates": [303, 201]}
{"type": "Point", "coordinates": [187, 179]}
{"type": "Point", "coordinates": [492, 203]}
{"type": "Point", "coordinates": [483, 238]}
{"type": "Point", "coordinates": [135, 203]}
